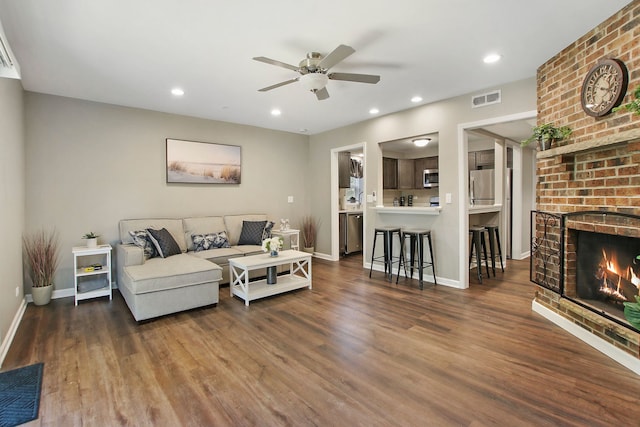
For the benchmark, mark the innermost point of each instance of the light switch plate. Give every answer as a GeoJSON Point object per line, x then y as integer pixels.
{"type": "Point", "coordinates": [290, 199]}
{"type": "Point", "coordinates": [448, 197]}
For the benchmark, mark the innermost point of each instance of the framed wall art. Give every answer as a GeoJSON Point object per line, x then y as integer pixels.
{"type": "Point", "coordinates": [194, 162]}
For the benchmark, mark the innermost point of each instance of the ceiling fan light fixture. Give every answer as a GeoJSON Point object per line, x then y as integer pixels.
{"type": "Point", "coordinates": [421, 142]}
{"type": "Point", "coordinates": [314, 81]}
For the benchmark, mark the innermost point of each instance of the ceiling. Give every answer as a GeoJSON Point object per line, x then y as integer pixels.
{"type": "Point", "coordinates": [133, 52]}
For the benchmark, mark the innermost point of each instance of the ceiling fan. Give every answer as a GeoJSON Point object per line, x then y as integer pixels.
{"type": "Point", "coordinates": [313, 71]}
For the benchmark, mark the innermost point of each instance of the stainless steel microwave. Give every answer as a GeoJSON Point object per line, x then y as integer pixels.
{"type": "Point", "coordinates": [430, 178]}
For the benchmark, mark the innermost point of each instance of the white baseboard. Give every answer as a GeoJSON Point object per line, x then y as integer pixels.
{"type": "Point", "coordinates": [61, 293]}
{"type": "Point", "coordinates": [11, 333]}
{"type": "Point", "coordinates": [323, 256]}
{"type": "Point", "coordinates": [65, 293]}
{"type": "Point", "coordinates": [622, 357]}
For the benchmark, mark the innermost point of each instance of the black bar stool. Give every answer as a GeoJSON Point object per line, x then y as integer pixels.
{"type": "Point", "coordinates": [494, 240]}
{"type": "Point", "coordinates": [478, 242]}
{"type": "Point", "coordinates": [416, 238]}
{"type": "Point", "coordinates": [388, 258]}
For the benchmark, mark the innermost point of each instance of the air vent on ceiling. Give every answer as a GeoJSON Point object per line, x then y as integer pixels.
{"type": "Point", "coordinates": [485, 99]}
{"type": "Point", "coordinates": [8, 66]}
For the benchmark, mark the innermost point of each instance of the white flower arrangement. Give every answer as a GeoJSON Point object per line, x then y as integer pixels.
{"type": "Point", "coordinates": [272, 244]}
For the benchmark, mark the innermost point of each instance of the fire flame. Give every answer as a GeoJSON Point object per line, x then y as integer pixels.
{"type": "Point", "coordinates": [609, 263]}
{"type": "Point", "coordinates": [608, 285]}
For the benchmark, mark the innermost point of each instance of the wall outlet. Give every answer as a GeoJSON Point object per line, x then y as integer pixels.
{"type": "Point", "coordinates": [17, 291]}
{"type": "Point", "coordinates": [290, 199]}
{"type": "Point", "coordinates": [447, 197]}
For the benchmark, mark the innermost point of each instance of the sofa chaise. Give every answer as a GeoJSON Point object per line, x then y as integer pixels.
{"type": "Point", "coordinates": [189, 275]}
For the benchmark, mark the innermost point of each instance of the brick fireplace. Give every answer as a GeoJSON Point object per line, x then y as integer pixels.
{"type": "Point", "coordinates": [597, 169]}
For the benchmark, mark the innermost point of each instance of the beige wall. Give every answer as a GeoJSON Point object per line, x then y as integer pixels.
{"type": "Point", "coordinates": [90, 165]}
{"type": "Point", "coordinates": [12, 201]}
{"type": "Point", "coordinates": [442, 117]}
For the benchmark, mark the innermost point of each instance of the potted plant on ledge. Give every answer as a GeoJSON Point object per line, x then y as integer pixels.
{"type": "Point", "coordinates": [632, 106]}
{"type": "Point", "coordinates": [42, 251]}
{"type": "Point", "coordinates": [546, 134]}
{"type": "Point", "coordinates": [92, 239]}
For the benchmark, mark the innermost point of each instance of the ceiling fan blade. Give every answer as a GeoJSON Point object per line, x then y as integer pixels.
{"type": "Point", "coordinates": [338, 54]}
{"type": "Point", "coordinates": [264, 89]}
{"type": "Point", "coordinates": [277, 63]}
{"type": "Point", "coordinates": [322, 94]}
{"type": "Point", "coordinates": [350, 77]}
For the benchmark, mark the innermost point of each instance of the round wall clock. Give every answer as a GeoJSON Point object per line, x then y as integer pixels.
{"type": "Point", "coordinates": [604, 87]}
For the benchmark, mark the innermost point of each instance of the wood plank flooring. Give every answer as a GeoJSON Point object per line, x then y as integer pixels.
{"type": "Point", "coordinates": [352, 351]}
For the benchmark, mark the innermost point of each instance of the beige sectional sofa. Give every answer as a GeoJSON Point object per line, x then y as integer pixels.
{"type": "Point", "coordinates": [158, 286]}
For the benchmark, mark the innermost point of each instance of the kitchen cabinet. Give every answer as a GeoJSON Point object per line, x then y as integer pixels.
{"type": "Point", "coordinates": [344, 169]}
{"type": "Point", "coordinates": [406, 171]}
{"type": "Point", "coordinates": [484, 159]}
{"type": "Point", "coordinates": [432, 162]}
{"type": "Point", "coordinates": [389, 173]}
{"type": "Point", "coordinates": [418, 174]}
{"type": "Point", "coordinates": [342, 239]}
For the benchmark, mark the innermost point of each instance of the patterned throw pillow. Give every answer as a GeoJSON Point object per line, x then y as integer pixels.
{"type": "Point", "coordinates": [203, 242]}
{"type": "Point", "coordinates": [164, 242]}
{"type": "Point", "coordinates": [141, 239]}
{"type": "Point", "coordinates": [251, 233]}
{"type": "Point", "coordinates": [266, 233]}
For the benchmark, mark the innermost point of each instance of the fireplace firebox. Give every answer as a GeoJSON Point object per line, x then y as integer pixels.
{"type": "Point", "coordinates": [607, 270]}
{"type": "Point", "coordinates": [600, 261]}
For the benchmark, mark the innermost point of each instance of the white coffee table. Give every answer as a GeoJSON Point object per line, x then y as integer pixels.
{"type": "Point", "coordinates": [299, 274]}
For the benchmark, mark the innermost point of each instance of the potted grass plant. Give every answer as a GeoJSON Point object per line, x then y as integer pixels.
{"type": "Point", "coordinates": [42, 251]}
{"type": "Point", "coordinates": [546, 134]}
{"type": "Point", "coordinates": [309, 229]}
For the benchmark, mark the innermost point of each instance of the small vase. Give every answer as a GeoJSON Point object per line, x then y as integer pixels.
{"type": "Point", "coordinates": [92, 243]}
{"type": "Point", "coordinates": [274, 253]}
{"type": "Point", "coordinates": [272, 275]}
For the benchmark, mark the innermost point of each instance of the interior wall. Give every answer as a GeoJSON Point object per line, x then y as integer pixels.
{"type": "Point", "coordinates": [12, 201]}
{"type": "Point", "coordinates": [442, 117]}
{"type": "Point", "coordinates": [90, 165]}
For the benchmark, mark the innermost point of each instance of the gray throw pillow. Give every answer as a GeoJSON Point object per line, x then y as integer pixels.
{"type": "Point", "coordinates": [203, 242]}
{"type": "Point", "coordinates": [251, 233]}
{"type": "Point", "coordinates": [141, 239]}
{"type": "Point", "coordinates": [164, 242]}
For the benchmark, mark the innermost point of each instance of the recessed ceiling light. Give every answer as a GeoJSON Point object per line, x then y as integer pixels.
{"type": "Point", "coordinates": [176, 91]}
{"type": "Point", "coordinates": [491, 58]}
{"type": "Point", "coordinates": [303, 130]}
{"type": "Point", "coordinates": [416, 99]}
{"type": "Point", "coordinates": [421, 142]}
{"type": "Point", "coordinates": [374, 111]}
{"type": "Point", "coordinates": [275, 112]}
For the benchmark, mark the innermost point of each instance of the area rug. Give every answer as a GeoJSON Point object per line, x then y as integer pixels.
{"type": "Point", "coordinates": [20, 395]}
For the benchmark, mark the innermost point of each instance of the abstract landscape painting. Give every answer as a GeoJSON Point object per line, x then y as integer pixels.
{"type": "Point", "coordinates": [202, 162]}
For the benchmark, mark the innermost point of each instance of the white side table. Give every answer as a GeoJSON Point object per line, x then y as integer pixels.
{"type": "Point", "coordinates": [295, 236]}
{"type": "Point", "coordinates": [89, 281]}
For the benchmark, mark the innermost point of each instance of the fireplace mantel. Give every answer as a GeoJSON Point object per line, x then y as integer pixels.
{"type": "Point", "coordinates": [591, 144]}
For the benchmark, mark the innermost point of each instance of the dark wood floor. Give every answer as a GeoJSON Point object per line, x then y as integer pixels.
{"type": "Point", "coordinates": [352, 351]}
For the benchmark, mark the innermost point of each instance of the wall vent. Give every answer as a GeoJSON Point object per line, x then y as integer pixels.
{"type": "Point", "coordinates": [494, 97]}
{"type": "Point", "coordinates": [8, 66]}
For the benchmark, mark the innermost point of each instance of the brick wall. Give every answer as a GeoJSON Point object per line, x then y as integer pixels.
{"type": "Point", "coordinates": [559, 80]}
{"type": "Point", "coordinates": [598, 167]}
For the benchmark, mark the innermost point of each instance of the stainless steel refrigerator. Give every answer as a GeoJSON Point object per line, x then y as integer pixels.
{"type": "Point", "coordinates": [482, 187]}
